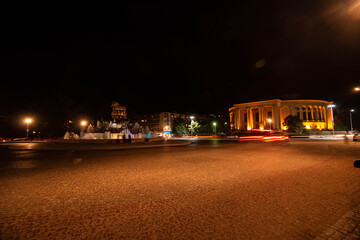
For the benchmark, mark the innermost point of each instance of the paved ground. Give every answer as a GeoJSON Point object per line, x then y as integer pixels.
{"type": "Point", "coordinates": [209, 190]}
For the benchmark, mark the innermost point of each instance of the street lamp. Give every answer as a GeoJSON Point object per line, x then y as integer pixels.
{"type": "Point", "coordinates": [351, 124]}
{"type": "Point", "coordinates": [332, 118]}
{"type": "Point", "coordinates": [191, 125]}
{"type": "Point", "coordinates": [27, 121]}
{"type": "Point", "coordinates": [214, 124]}
{"type": "Point", "coordinates": [83, 123]}
{"type": "Point", "coordinates": [269, 120]}
{"type": "Point", "coordinates": [357, 89]}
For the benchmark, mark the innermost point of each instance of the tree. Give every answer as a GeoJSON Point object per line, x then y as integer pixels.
{"type": "Point", "coordinates": [179, 127]}
{"type": "Point", "coordinates": [293, 124]}
{"type": "Point", "coordinates": [194, 127]}
{"type": "Point", "coordinates": [341, 120]}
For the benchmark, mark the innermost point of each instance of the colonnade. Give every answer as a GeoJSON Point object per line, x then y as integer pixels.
{"type": "Point", "coordinates": [271, 114]}
{"type": "Point", "coordinates": [309, 113]}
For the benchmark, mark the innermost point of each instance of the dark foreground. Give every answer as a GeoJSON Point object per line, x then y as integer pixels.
{"type": "Point", "coordinates": [211, 190]}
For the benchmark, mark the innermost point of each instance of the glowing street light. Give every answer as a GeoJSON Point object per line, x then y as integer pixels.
{"type": "Point", "coordinates": [357, 89]}
{"type": "Point", "coordinates": [83, 124]}
{"type": "Point", "coordinates": [351, 124]}
{"type": "Point", "coordinates": [27, 121]}
{"type": "Point", "coordinates": [214, 124]}
{"type": "Point", "coordinates": [332, 118]}
{"type": "Point", "coordinates": [270, 121]}
{"type": "Point", "coordinates": [191, 126]}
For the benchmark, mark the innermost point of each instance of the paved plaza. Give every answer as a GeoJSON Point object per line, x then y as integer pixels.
{"type": "Point", "coordinates": [214, 189]}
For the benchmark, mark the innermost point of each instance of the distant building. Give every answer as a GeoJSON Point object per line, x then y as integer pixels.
{"type": "Point", "coordinates": [315, 114]}
{"type": "Point", "coordinates": [161, 122]}
{"type": "Point", "coordinates": [118, 112]}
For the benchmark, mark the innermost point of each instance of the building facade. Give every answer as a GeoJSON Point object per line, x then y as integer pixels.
{"type": "Point", "coordinates": [118, 112]}
{"type": "Point", "coordinates": [270, 114]}
{"type": "Point", "coordinates": [161, 122]}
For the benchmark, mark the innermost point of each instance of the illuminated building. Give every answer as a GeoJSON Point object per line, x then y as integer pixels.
{"type": "Point", "coordinates": [161, 123]}
{"type": "Point", "coordinates": [118, 112]}
{"type": "Point", "coordinates": [270, 114]}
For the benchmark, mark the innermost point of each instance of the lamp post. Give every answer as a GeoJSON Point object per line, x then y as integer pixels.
{"type": "Point", "coordinates": [27, 121]}
{"type": "Point", "coordinates": [332, 118]}
{"type": "Point", "coordinates": [214, 124]}
{"type": "Point", "coordinates": [351, 124]}
{"type": "Point", "coordinates": [83, 123]}
{"type": "Point", "coordinates": [191, 126]}
{"type": "Point", "coordinates": [269, 120]}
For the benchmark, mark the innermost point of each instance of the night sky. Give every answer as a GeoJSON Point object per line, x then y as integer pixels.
{"type": "Point", "coordinates": [72, 61]}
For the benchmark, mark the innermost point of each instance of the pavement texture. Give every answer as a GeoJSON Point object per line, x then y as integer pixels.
{"type": "Point", "coordinates": [294, 190]}
{"type": "Point", "coordinates": [347, 228]}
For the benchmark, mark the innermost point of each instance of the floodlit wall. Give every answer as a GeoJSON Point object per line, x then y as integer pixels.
{"type": "Point", "coordinates": [270, 114]}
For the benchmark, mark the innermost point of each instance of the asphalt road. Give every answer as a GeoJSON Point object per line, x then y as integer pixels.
{"type": "Point", "coordinates": [206, 190]}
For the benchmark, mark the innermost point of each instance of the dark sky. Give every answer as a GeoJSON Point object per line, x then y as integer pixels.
{"type": "Point", "coordinates": [183, 56]}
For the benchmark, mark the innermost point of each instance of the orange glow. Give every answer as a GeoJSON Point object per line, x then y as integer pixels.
{"type": "Point", "coordinates": [354, 10]}
{"type": "Point", "coordinates": [250, 138]}
{"type": "Point", "coordinates": [262, 130]}
{"type": "Point", "coordinates": [263, 138]}
{"type": "Point", "coordinates": [275, 138]}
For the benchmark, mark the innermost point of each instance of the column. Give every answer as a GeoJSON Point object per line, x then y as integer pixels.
{"type": "Point", "coordinates": [321, 115]}
{"type": "Point", "coordinates": [329, 120]}
{"type": "Point", "coordinates": [261, 117]}
{"type": "Point", "coordinates": [251, 119]}
{"type": "Point", "coordinates": [234, 119]}
{"type": "Point", "coordinates": [276, 116]}
{"type": "Point", "coordinates": [248, 112]}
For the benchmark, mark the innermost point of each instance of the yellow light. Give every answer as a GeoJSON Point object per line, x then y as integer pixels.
{"type": "Point", "coordinates": [285, 128]}
{"type": "Point", "coordinates": [354, 10]}
{"type": "Point", "coordinates": [357, 89]}
{"type": "Point", "coordinates": [28, 120]}
{"type": "Point", "coordinates": [261, 128]}
{"type": "Point", "coordinates": [83, 123]}
{"type": "Point", "coordinates": [269, 120]}
{"type": "Point", "coordinates": [248, 128]}
{"type": "Point", "coordinates": [308, 126]}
